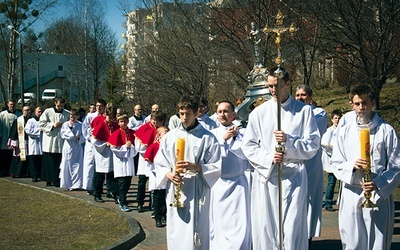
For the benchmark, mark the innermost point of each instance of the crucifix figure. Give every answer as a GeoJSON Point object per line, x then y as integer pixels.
{"type": "Point", "coordinates": [279, 29]}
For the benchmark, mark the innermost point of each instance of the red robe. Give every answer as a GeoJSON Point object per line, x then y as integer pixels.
{"type": "Point", "coordinates": [146, 134]}
{"type": "Point", "coordinates": [151, 151]}
{"type": "Point", "coordinates": [119, 137]}
{"type": "Point", "coordinates": [101, 129]}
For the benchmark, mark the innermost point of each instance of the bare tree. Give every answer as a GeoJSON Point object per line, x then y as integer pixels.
{"type": "Point", "coordinates": [363, 36]}
{"type": "Point", "coordinates": [18, 15]}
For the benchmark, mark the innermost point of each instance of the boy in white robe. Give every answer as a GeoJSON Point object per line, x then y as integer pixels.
{"type": "Point", "coordinates": [35, 134]}
{"type": "Point", "coordinates": [366, 228]}
{"type": "Point", "coordinates": [71, 167]}
{"type": "Point", "coordinates": [188, 227]}
{"type": "Point", "coordinates": [328, 140]}
{"type": "Point", "coordinates": [299, 133]}
{"type": "Point", "coordinates": [230, 196]}
{"type": "Point", "coordinates": [123, 151]}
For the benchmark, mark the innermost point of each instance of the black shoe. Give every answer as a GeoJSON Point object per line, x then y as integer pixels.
{"type": "Point", "coordinates": [330, 209]}
{"type": "Point", "coordinates": [48, 184]}
{"type": "Point", "coordinates": [110, 195]}
{"type": "Point", "coordinates": [90, 192]}
{"type": "Point", "coordinates": [35, 180]}
{"type": "Point", "coordinates": [164, 221]}
{"type": "Point", "coordinates": [140, 209]}
{"type": "Point", "coordinates": [98, 199]}
{"type": "Point", "coordinates": [159, 223]}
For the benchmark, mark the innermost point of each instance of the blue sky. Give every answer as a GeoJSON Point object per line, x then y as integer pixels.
{"type": "Point", "coordinates": [113, 17]}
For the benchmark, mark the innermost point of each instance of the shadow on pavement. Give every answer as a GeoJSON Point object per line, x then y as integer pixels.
{"type": "Point", "coordinates": [326, 245]}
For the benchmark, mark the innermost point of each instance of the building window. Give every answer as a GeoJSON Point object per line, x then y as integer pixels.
{"type": "Point", "coordinates": [60, 68]}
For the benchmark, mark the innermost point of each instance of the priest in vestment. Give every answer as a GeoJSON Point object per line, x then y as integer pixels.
{"type": "Point", "coordinates": [18, 141]}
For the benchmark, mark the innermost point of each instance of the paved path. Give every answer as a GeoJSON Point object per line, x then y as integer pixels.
{"type": "Point", "coordinates": [155, 237]}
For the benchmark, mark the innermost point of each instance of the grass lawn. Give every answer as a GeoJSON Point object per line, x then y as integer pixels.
{"type": "Point", "coordinates": [36, 219]}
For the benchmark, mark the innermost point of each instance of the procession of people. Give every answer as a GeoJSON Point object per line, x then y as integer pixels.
{"type": "Point", "coordinates": [214, 183]}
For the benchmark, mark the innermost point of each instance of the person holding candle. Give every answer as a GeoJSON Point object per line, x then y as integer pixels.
{"type": "Point", "coordinates": [366, 142]}
{"type": "Point", "coordinates": [188, 226]}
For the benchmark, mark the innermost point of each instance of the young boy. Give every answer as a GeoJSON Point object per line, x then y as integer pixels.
{"type": "Point", "coordinates": [123, 153]}
{"type": "Point", "coordinates": [188, 227]}
{"type": "Point", "coordinates": [160, 209]}
{"type": "Point", "coordinates": [366, 228]}
{"type": "Point", "coordinates": [144, 137]}
{"type": "Point", "coordinates": [327, 141]}
{"type": "Point", "coordinates": [72, 153]}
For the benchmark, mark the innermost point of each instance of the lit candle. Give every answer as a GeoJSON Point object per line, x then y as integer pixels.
{"type": "Point", "coordinates": [364, 143]}
{"type": "Point", "coordinates": [180, 149]}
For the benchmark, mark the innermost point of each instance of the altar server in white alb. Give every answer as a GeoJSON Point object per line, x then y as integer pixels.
{"type": "Point", "coordinates": [35, 134]}
{"type": "Point", "coordinates": [188, 227]}
{"type": "Point", "coordinates": [230, 196]}
{"type": "Point", "coordinates": [366, 228]}
{"type": "Point", "coordinates": [299, 133]}
{"type": "Point", "coordinates": [50, 122]}
{"type": "Point", "coordinates": [72, 154]}
{"type": "Point", "coordinates": [88, 160]}
{"type": "Point", "coordinates": [121, 145]}
{"type": "Point", "coordinates": [314, 167]}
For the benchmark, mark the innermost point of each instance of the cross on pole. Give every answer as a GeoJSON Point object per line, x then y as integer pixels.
{"type": "Point", "coordinates": [279, 29]}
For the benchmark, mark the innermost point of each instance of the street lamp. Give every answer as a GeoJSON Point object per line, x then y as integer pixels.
{"type": "Point", "coordinates": [21, 62]}
{"type": "Point", "coordinates": [37, 77]}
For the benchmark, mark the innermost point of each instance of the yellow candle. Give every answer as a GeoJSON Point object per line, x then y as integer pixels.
{"type": "Point", "coordinates": [364, 143]}
{"type": "Point", "coordinates": [180, 149]}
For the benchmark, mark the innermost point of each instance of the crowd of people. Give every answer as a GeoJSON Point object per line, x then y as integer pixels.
{"type": "Point", "coordinates": [220, 189]}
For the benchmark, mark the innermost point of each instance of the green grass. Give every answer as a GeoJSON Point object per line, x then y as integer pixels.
{"type": "Point", "coordinates": [36, 219]}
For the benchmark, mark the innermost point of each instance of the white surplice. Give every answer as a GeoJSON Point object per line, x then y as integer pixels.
{"type": "Point", "coordinates": [72, 156]}
{"type": "Point", "coordinates": [32, 129]}
{"type": "Point", "coordinates": [302, 143]}
{"type": "Point", "coordinates": [315, 174]}
{"type": "Point", "coordinates": [184, 223]}
{"type": "Point", "coordinates": [123, 160]}
{"type": "Point", "coordinates": [88, 159]}
{"type": "Point", "coordinates": [52, 141]}
{"type": "Point", "coordinates": [365, 228]}
{"type": "Point", "coordinates": [230, 196]}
